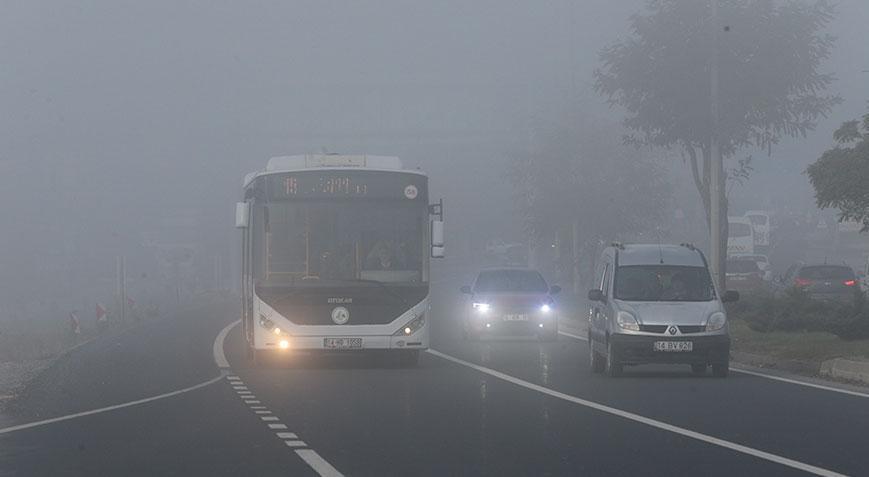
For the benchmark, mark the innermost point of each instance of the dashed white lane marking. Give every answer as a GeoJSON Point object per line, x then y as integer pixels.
{"type": "Point", "coordinates": [137, 402]}
{"type": "Point", "coordinates": [773, 377]}
{"type": "Point", "coordinates": [318, 463]}
{"type": "Point", "coordinates": [291, 440]}
{"type": "Point", "coordinates": [642, 419]}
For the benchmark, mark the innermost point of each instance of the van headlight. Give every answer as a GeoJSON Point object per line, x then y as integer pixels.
{"type": "Point", "coordinates": [411, 327]}
{"type": "Point", "coordinates": [627, 321]}
{"type": "Point", "coordinates": [716, 321]}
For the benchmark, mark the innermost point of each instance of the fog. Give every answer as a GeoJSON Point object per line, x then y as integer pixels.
{"type": "Point", "coordinates": [126, 127]}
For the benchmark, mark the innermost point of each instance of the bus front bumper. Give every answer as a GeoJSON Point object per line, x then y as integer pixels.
{"type": "Point", "coordinates": [349, 343]}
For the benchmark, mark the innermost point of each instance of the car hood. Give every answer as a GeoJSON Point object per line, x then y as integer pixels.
{"type": "Point", "coordinates": [512, 299]}
{"type": "Point", "coordinates": [670, 313]}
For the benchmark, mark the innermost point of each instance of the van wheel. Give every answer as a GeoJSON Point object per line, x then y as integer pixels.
{"type": "Point", "coordinates": [595, 359]}
{"type": "Point", "coordinates": [721, 370]}
{"type": "Point", "coordinates": [698, 369]}
{"type": "Point", "coordinates": [613, 364]}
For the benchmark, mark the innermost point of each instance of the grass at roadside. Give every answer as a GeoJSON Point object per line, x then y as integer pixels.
{"type": "Point", "coordinates": [801, 345]}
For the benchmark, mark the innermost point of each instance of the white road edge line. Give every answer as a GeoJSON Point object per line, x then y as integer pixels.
{"type": "Point", "coordinates": [217, 348]}
{"type": "Point", "coordinates": [642, 419]}
{"type": "Point", "coordinates": [320, 466]}
{"type": "Point", "coordinates": [764, 375]}
{"type": "Point", "coordinates": [20, 427]}
{"type": "Point", "coordinates": [219, 359]}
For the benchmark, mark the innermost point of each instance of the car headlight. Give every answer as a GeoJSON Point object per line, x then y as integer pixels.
{"type": "Point", "coordinates": [545, 308]}
{"type": "Point", "coordinates": [716, 321]}
{"type": "Point", "coordinates": [482, 308]}
{"type": "Point", "coordinates": [411, 327]}
{"type": "Point", "coordinates": [627, 321]}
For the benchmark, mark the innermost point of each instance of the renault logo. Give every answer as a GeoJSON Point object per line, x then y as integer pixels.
{"type": "Point", "coordinates": [672, 330]}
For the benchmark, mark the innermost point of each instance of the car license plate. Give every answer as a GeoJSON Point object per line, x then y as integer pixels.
{"type": "Point", "coordinates": [516, 317]}
{"type": "Point", "coordinates": [342, 343]}
{"type": "Point", "coordinates": [674, 346]}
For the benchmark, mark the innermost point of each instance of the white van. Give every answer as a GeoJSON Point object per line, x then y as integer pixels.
{"type": "Point", "coordinates": [740, 236]}
{"type": "Point", "coordinates": [760, 223]}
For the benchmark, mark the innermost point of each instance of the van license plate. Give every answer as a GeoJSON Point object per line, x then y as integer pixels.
{"type": "Point", "coordinates": [342, 343]}
{"type": "Point", "coordinates": [674, 346]}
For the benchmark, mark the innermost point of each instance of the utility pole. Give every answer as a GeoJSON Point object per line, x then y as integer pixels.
{"type": "Point", "coordinates": [715, 176]}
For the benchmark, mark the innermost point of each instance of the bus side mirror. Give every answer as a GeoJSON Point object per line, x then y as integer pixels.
{"type": "Point", "coordinates": [242, 215]}
{"type": "Point", "coordinates": [437, 239]}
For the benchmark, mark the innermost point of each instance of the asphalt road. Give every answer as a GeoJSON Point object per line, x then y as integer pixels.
{"type": "Point", "coordinates": [505, 407]}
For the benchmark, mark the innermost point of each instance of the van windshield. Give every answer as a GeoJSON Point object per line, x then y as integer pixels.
{"type": "Point", "coordinates": [663, 283]}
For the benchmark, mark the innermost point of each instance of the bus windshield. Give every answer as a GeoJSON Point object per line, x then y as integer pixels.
{"type": "Point", "coordinates": [331, 242]}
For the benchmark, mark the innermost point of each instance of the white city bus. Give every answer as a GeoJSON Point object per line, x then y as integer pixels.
{"type": "Point", "coordinates": [335, 256]}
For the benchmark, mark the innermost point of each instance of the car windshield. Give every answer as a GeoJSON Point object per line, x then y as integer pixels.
{"type": "Point", "coordinates": [742, 266]}
{"type": "Point", "coordinates": [825, 272]}
{"type": "Point", "coordinates": [663, 283]}
{"type": "Point", "coordinates": [498, 281]}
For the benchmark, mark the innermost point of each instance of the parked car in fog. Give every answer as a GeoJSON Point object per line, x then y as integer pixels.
{"type": "Point", "coordinates": [821, 281]}
{"type": "Point", "coordinates": [761, 260]}
{"type": "Point", "coordinates": [745, 275]}
{"type": "Point", "coordinates": [510, 302]}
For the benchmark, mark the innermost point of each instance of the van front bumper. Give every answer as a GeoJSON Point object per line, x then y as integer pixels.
{"type": "Point", "coordinates": [706, 349]}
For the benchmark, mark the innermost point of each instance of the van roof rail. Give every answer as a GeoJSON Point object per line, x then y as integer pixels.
{"type": "Point", "coordinates": [617, 245]}
{"type": "Point", "coordinates": [688, 245]}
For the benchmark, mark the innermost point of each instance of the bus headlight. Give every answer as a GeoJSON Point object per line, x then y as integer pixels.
{"type": "Point", "coordinates": [411, 327]}
{"type": "Point", "coordinates": [545, 308]}
{"type": "Point", "coordinates": [284, 344]}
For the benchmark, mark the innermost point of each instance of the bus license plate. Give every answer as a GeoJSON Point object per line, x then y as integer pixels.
{"type": "Point", "coordinates": [342, 343]}
{"type": "Point", "coordinates": [674, 346]}
{"type": "Point", "coordinates": [516, 317]}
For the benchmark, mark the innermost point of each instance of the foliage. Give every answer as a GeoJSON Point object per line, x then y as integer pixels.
{"type": "Point", "coordinates": [841, 175]}
{"type": "Point", "coordinates": [796, 311]}
{"type": "Point", "coordinates": [767, 55]}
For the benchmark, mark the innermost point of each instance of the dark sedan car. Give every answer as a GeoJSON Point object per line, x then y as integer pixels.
{"type": "Point", "coordinates": [823, 282]}
{"type": "Point", "coordinates": [511, 302]}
